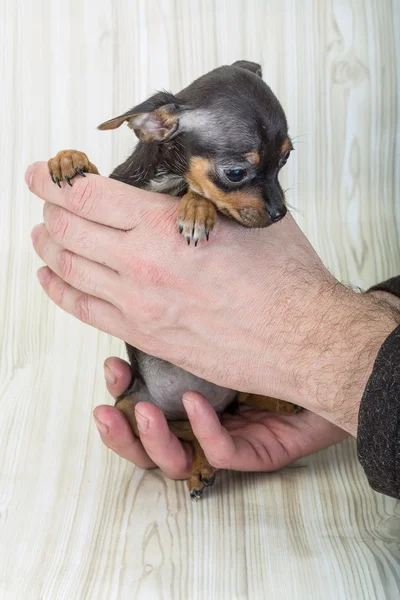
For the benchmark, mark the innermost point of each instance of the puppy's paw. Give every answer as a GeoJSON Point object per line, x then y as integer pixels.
{"type": "Point", "coordinates": [202, 477]}
{"type": "Point", "coordinates": [68, 163]}
{"type": "Point", "coordinates": [196, 217]}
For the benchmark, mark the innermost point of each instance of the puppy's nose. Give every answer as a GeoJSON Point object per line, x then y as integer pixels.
{"type": "Point", "coordinates": [276, 214]}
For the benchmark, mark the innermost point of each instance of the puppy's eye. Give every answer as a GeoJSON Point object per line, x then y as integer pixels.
{"type": "Point", "coordinates": [236, 175]}
{"type": "Point", "coordinates": [283, 159]}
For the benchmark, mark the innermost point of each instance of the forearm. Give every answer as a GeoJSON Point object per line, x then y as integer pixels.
{"type": "Point", "coordinates": [334, 351]}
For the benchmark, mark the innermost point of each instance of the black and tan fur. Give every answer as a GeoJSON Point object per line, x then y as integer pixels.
{"type": "Point", "coordinates": [226, 124]}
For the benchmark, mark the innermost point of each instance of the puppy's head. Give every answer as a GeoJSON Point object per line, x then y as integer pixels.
{"type": "Point", "coordinates": [234, 136]}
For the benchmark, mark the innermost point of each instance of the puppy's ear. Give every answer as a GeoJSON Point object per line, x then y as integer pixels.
{"type": "Point", "coordinates": [249, 66]}
{"type": "Point", "coordinates": [155, 120]}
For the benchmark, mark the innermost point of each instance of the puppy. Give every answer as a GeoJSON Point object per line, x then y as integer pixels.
{"type": "Point", "coordinates": [219, 144]}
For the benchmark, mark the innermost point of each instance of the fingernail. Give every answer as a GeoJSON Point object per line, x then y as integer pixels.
{"type": "Point", "coordinates": [102, 427]}
{"type": "Point", "coordinates": [29, 175]}
{"type": "Point", "coordinates": [142, 422]}
{"type": "Point", "coordinates": [109, 375]}
{"type": "Point", "coordinates": [44, 275]}
{"type": "Point", "coordinates": [189, 406]}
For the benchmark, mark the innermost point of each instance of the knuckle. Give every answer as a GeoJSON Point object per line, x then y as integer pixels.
{"type": "Point", "coordinates": [80, 196]}
{"type": "Point", "coordinates": [58, 224]}
{"type": "Point", "coordinates": [70, 270]}
{"type": "Point", "coordinates": [83, 308]}
{"type": "Point", "coordinates": [65, 264]}
{"type": "Point", "coordinates": [85, 242]}
{"type": "Point", "coordinates": [57, 291]}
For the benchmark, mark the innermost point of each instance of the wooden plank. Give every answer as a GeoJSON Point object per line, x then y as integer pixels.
{"type": "Point", "coordinates": [76, 522]}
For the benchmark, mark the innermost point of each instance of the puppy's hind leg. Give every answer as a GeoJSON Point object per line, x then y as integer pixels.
{"type": "Point", "coordinates": [203, 474]}
{"type": "Point", "coordinates": [267, 403]}
{"type": "Point", "coordinates": [127, 406]}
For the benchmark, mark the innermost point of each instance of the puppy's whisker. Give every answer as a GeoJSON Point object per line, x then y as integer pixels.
{"type": "Point", "coordinates": [289, 189]}
{"type": "Point", "coordinates": [294, 209]}
{"type": "Point", "coordinates": [295, 140]}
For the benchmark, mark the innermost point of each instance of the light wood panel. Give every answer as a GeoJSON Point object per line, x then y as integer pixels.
{"type": "Point", "coordinates": [76, 522]}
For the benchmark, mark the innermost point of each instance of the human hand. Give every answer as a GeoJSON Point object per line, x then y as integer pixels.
{"type": "Point", "coordinates": [117, 262]}
{"type": "Point", "coordinates": [253, 440]}
{"type": "Point", "coordinates": [252, 310]}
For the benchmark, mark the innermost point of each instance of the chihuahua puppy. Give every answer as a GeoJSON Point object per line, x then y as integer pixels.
{"type": "Point", "coordinates": [219, 144]}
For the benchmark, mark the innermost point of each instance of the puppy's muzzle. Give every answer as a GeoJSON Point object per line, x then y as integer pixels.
{"type": "Point", "coordinates": [274, 202]}
{"type": "Point", "coordinates": [276, 213]}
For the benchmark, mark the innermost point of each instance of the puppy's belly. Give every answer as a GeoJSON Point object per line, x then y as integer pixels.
{"type": "Point", "coordinates": [165, 385]}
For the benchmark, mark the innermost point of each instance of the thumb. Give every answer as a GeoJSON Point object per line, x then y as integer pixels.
{"type": "Point", "coordinates": [118, 375]}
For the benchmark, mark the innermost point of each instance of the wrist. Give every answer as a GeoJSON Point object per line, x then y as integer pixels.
{"type": "Point", "coordinates": [332, 373]}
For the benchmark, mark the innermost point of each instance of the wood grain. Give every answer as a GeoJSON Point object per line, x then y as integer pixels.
{"type": "Point", "coordinates": [76, 522]}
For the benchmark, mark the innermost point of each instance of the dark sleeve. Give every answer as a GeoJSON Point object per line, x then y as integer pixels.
{"type": "Point", "coordinates": [390, 285]}
{"type": "Point", "coordinates": [378, 436]}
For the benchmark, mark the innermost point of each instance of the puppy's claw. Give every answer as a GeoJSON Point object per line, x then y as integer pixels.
{"type": "Point", "coordinates": [188, 239]}
{"type": "Point", "coordinates": [196, 495]}
{"type": "Point", "coordinates": [58, 182]}
{"type": "Point", "coordinates": [207, 235]}
{"type": "Point", "coordinates": [180, 227]}
{"type": "Point", "coordinates": [81, 173]}
{"type": "Point", "coordinates": [209, 482]}
{"type": "Point", "coordinates": [52, 177]}
{"type": "Point", "coordinates": [68, 180]}
{"type": "Point", "coordinates": [196, 242]}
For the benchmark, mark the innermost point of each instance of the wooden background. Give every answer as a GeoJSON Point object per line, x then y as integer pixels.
{"type": "Point", "coordinates": [76, 522]}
